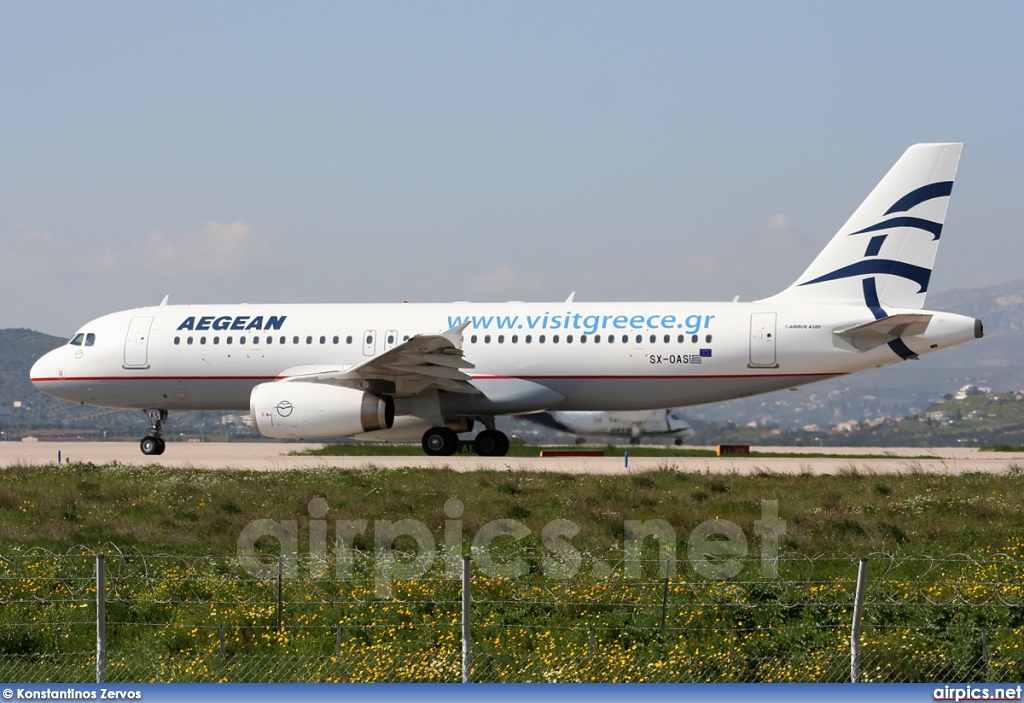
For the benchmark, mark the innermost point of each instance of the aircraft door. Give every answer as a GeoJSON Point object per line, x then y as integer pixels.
{"type": "Point", "coordinates": [136, 344]}
{"type": "Point", "coordinates": [762, 339]}
{"type": "Point", "coordinates": [369, 342]}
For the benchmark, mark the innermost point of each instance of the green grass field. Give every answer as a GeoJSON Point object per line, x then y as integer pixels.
{"type": "Point", "coordinates": [185, 617]}
{"type": "Point", "coordinates": [159, 510]}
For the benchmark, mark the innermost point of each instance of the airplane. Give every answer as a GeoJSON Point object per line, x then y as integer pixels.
{"type": "Point", "coordinates": [434, 370]}
{"type": "Point", "coordinates": [632, 424]}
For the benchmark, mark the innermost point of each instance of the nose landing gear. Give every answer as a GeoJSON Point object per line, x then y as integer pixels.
{"type": "Point", "coordinates": [154, 443]}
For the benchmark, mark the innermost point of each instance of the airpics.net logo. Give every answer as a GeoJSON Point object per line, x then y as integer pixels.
{"type": "Point", "coordinates": [715, 549]}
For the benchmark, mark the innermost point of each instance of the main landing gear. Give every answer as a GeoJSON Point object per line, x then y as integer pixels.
{"type": "Point", "coordinates": [154, 443]}
{"type": "Point", "coordinates": [443, 441]}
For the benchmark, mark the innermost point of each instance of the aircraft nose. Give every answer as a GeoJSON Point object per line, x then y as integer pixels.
{"type": "Point", "coordinates": [43, 372]}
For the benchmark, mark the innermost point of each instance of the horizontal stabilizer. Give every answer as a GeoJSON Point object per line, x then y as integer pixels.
{"type": "Point", "coordinates": [883, 331]}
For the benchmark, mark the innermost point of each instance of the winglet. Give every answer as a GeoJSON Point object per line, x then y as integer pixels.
{"type": "Point", "coordinates": [454, 335]}
{"type": "Point", "coordinates": [571, 296]}
{"type": "Point", "coordinates": [163, 302]}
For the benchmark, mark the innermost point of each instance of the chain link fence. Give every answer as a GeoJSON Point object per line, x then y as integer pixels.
{"type": "Point", "coordinates": [203, 619]}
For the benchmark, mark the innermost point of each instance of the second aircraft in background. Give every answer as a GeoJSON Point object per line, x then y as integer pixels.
{"type": "Point", "coordinates": [588, 426]}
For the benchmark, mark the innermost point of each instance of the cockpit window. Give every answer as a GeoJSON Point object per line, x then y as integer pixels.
{"type": "Point", "coordinates": [77, 340]}
{"type": "Point", "coordinates": [90, 339]}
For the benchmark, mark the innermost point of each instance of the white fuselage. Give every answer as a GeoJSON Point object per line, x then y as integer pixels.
{"type": "Point", "coordinates": [527, 356]}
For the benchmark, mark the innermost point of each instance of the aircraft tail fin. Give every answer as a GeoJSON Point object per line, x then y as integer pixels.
{"type": "Point", "coordinates": [884, 254]}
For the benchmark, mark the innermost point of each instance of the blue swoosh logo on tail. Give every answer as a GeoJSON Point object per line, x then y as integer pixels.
{"type": "Point", "coordinates": [917, 274]}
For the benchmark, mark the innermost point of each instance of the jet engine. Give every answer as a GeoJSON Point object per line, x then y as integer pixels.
{"type": "Point", "coordinates": [300, 410]}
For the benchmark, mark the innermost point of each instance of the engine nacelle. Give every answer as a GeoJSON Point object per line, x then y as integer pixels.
{"type": "Point", "coordinates": [298, 410]}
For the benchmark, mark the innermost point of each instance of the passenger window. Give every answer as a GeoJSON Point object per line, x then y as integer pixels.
{"type": "Point", "coordinates": [554, 339]}
{"type": "Point", "coordinates": [625, 339]}
{"type": "Point", "coordinates": [177, 340]}
{"type": "Point", "coordinates": [202, 340]}
{"type": "Point", "coordinates": [90, 339]}
{"type": "Point", "coordinates": [405, 338]}
{"type": "Point", "coordinates": [336, 339]}
{"type": "Point", "coordinates": [611, 339]}
{"type": "Point", "coordinates": [680, 339]}
{"type": "Point", "coordinates": [694, 339]}
{"type": "Point", "coordinates": [391, 339]}
{"type": "Point", "coordinates": [256, 340]}
{"type": "Point", "coordinates": [228, 340]}
{"type": "Point", "coordinates": [708, 339]}
{"type": "Point", "coordinates": [515, 338]}
{"type": "Point", "coordinates": [501, 339]}
{"type": "Point", "coordinates": [639, 338]}
{"type": "Point", "coordinates": [369, 339]}
{"type": "Point", "coordinates": [597, 338]}
{"type": "Point", "coordinates": [472, 339]}
{"type": "Point", "coordinates": [583, 339]}
{"type": "Point", "coordinates": [540, 339]}
{"type": "Point", "coordinates": [309, 339]}
{"type": "Point", "coordinates": [241, 340]}
{"type": "Point", "coordinates": [348, 339]}
{"type": "Point", "coordinates": [77, 341]}
{"type": "Point", "coordinates": [189, 341]}
{"type": "Point", "coordinates": [487, 339]}
{"type": "Point", "coordinates": [529, 338]}
{"type": "Point", "coordinates": [667, 339]}
{"type": "Point", "coordinates": [568, 339]}
{"type": "Point", "coordinates": [653, 339]}
{"type": "Point", "coordinates": [323, 340]}
{"type": "Point", "coordinates": [216, 340]}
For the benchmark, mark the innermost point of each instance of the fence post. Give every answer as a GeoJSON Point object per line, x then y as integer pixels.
{"type": "Point", "coordinates": [858, 609]}
{"type": "Point", "coordinates": [280, 588]}
{"type": "Point", "coordinates": [590, 649]}
{"type": "Point", "coordinates": [101, 619]}
{"type": "Point", "coordinates": [664, 599]}
{"type": "Point", "coordinates": [984, 649]}
{"type": "Point", "coordinates": [221, 641]}
{"type": "Point", "coordinates": [466, 678]}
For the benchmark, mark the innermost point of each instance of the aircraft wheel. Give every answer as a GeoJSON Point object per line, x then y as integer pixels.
{"type": "Point", "coordinates": [491, 443]}
{"type": "Point", "coordinates": [440, 441]}
{"type": "Point", "coordinates": [487, 443]}
{"type": "Point", "coordinates": [505, 444]}
{"type": "Point", "coordinates": [151, 446]}
{"type": "Point", "coordinates": [161, 445]}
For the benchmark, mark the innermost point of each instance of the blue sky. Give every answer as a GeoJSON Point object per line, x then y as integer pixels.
{"type": "Point", "coordinates": [358, 152]}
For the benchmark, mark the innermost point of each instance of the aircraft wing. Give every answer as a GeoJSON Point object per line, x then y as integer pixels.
{"type": "Point", "coordinates": [421, 363]}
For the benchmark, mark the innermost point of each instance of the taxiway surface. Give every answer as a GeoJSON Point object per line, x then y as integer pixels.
{"type": "Point", "coordinates": [262, 456]}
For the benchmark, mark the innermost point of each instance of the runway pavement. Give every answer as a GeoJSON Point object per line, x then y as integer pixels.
{"type": "Point", "coordinates": [276, 457]}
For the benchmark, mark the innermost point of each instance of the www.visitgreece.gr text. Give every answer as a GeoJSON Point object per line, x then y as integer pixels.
{"type": "Point", "coordinates": [588, 324]}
